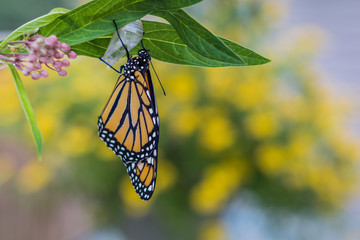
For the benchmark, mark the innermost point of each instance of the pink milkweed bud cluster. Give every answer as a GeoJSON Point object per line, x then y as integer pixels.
{"type": "Point", "coordinates": [42, 51]}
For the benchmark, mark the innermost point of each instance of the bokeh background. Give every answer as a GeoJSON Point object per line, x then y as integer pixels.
{"type": "Point", "coordinates": [260, 153]}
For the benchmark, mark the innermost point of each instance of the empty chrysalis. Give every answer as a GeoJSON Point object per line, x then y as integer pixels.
{"type": "Point", "coordinates": [130, 34]}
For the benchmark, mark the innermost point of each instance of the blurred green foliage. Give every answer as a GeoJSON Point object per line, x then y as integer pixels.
{"type": "Point", "coordinates": [270, 130]}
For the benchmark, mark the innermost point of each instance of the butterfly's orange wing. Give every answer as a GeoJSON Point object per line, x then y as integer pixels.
{"type": "Point", "coordinates": [129, 125]}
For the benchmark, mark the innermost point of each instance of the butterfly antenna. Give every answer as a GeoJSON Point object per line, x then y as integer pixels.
{"type": "Point", "coordinates": [117, 31]}
{"type": "Point", "coordinates": [158, 78]}
{"type": "Point", "coordinates": [109, 65]}
{"type": "Point", "coordinates": [142, 44]}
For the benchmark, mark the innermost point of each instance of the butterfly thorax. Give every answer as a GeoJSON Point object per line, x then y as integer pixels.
{"type": "Point", "coordinates": [139, 63]}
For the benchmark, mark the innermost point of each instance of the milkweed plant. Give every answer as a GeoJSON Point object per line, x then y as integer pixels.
{"type": "Point", "coordinates": [50, 41]}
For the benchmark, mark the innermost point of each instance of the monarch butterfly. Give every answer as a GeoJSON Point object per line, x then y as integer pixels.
{"type": "Point", "coordinates": [129, 122]}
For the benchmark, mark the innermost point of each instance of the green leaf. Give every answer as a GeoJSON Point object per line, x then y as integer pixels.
{"type": "Point", "coordinates": [95, 48]}
{"type": "Point", "coordinates": [94, 19]}
{"type": "Point", "coordinates": [165, 45]}
{"type": "Point", "coordinates": [29, 112]}
{"type": "Point", "coordinates": [32, 25]}
{"type": "Point", "coordinates": [202, 41]}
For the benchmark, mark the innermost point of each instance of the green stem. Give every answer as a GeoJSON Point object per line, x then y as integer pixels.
{"type": "Point", "coordinates": [28, 110]}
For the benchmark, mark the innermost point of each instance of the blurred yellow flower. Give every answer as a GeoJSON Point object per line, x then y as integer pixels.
{"type": "Point", "coordinates": [87, 85]}
{"type": "Point", "coordinates": [308, 40]}
{"type": "Point", "coordinates": [344, 145]}
{"type": "Point", "coordinates": [7, 168]}
{"type": "Point", "coordinates": [48, 122]}
{"type": "Point", "coordinates": [33, 177]}
{"type": "Point", "coordinates": [326, 183]}
{"type": "Point", "coordinates": [212, 230]}
{"type": "Point", "coordinates": [104, 153]}
{"type": "Point", "coordinates": [324, 118]}
{"type": "Point", "coordinates": [274, 9]}
{"type": "Point", "coordinates": [217, 133]}
{"type": "Point", "coordinates": [10, 106]}
{"type": "Point", "coordinates": [262, 124]}
{"type": "Point", "coordinates": [295, 109]}
{"type": "Point", "coordinates": [271, 158]}
{"type": "Point", "coordinates": [219, 82]}
{"type": "Point", "coordinates": [182, 87]}
{"type": "Point", "coordinates": [134, 206]}
{"type": "Point", "coordinates": [166, 175]}
{"type": "Point", "coordinates": [219, 182]}
{"type": "Point", "coordinates": [77, 140]}
{"type": "Point", "coordinates": [301, 143]}
{"type": "Point", "coordinates": [185, 121]}
{"type": "Point", "coordinates": [251, 91]}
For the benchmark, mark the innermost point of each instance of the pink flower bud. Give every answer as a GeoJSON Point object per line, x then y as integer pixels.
{"type": "Point", "coordinates": [35, 75]}
{"type": "Point", "coordinates": [50, 52]}
{"type": "Point", "coordinates": [65, 63]}
{"type": "Point", "coordinates": [40, 40]}
{"type": "Point", "coordinates": [26, 72]}
{"type": "Point", "coordinates": [62, 73]}
{"type": "Point", "coordinates": [58, 64]}
{"type": "Point", "coordinates": [42, 59]}
{"type": "Point", "coordinates": [43, 52]}
{"type": "Point", "coordinates": [50, 60]}
{"type": "Point", "coordinates": [37, 66]}
{"type": "Point", "coordinates": [51, 41]}
{"type": "Point", "coordinates": [58, 55]}
{"type": "Point", "coordinates": [72, 55]}
{"type": "Point", "coordinates": [32, 58]}
{"type": "Point", "coordinates": [35, 46]}
{"type": "Point", "coordinates": [30, 67]}
{"type": "Point", "coordinates": [44, 73]}
{"type": "Point", "coordinates": [64, 47]}
{"type": "Point", "coordinates": [18, 66]}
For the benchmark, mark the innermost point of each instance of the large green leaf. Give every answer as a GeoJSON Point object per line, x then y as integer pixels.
{"type": "Point", "coordinates": [165, 45]}
{"type": "Point", "coordinates": [28, 110]}
{"type": "Point", "coordinates": [94, 19]}
{"type": "Point", "coordinates": [201, 40]}
{"type": "Point", "coordinates": [33, 24]}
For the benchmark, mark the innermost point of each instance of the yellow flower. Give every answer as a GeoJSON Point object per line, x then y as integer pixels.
{"type": "Point", "coordinates": [326, 183]}
{"type": "Point", "coordinates": [271, 158]}
{"type": "Point", "coordinates": [134, 206]}
{"type": "Point", "coordinates": [295, 109]}
{"type": "Point", "coordinates": [77, 140]}
{"type": "Point", "coordinates": [48, 121]}
{"type": "Point", "coordinates": [344, 145]}
{"type": "Point", "coordinates": [104, 153]}
{"type": "Point", "coordinates": [212, 230]}
{"type": "Point", "coordinates": [185, 121]}
{"type": "Point", "coordinates": [301, 143]}
{"type": "Point", "coordinates": [166, 175]}
{"type": "Point", "coordinates": [182, 87]}
{"type": "Point", "coordinates": [324, 116]}
{"type": "Point", "coordinates": [274, 10]}
{"type": "Point", "coordinates": [262, 124]}
{"type": "Point", "coordinates": [33, 177]}
{"type": "Point", "coordinates": [250, 92]}
{"type": "Point", "coordinates": [10, 107]}
{"type": "Point", "coordinates": [219, 82]}
{"type": "Point", "coordinates": [219, 182]}
{"type": "Point", "coordinates": [217, 133]}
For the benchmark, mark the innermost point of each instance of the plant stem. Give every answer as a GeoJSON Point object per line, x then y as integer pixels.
{"type": "Point", "coordinates": [6, 58]}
